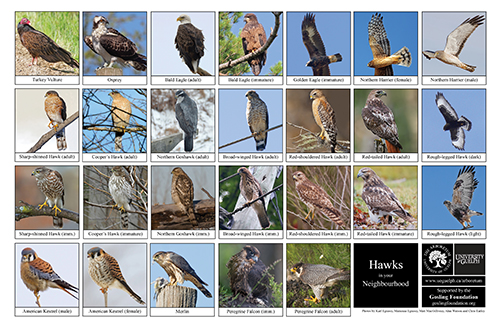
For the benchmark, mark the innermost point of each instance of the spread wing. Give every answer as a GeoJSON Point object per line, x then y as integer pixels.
{"type": "Point", "coordinates": [464, 187]}
{"type": "Point", "coordinates": [379, 43]}
{"type": "Point", "coordinates": [457, 38]}
{"type": "Point", "coordinates": [449, 114]}
{"type": "Point", "coordinates": [314, 44]}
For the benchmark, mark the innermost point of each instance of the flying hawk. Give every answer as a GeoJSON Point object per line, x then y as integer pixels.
{"type": "Point", "coordinates": [189, 42]}
{"type": "Point", "coordinates": [113, 46]}
{"type": "Point", "coordinates": [381, 201]}
{"type": "Point", "coordinates": [462, 196]}
{"type": "Point", "coordinates": [40, 45]}
{"type": "Point", "coordinates": [319, 61]}
{"type": "Point", "coordinates": [381, 49]}
{"type": "Point", "coordinates": [455, 43]}
{"type": "Point", "coordinates": [186, 113]}
{"type": "Point", "coordinates": [253, 37]}
{"type": "Point", "coordinates": [379, 119]}
{"type": "Point", "coordinates": [455, 125]}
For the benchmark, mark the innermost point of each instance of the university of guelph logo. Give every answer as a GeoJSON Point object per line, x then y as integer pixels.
{"type": "Point", "coordinates": [437, 258]}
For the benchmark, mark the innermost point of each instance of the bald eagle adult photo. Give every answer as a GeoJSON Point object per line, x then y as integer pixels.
{"type": "Point", "coordinates": [189, 41]}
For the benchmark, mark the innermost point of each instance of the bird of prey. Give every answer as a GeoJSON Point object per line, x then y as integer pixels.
{"type": "Point", "coordinates": [318, 60]}
{"type": "Point", "coordinates": [179, 270]}
{"type": "Point", "coordinates": [248, 278]}
{"type": "Point", "coordinates": [121, 111]}
{"type": "Point", "coordinates": [379, 119]}
{"type": "Point", "coordinates": [55, 108]}
{"type": "Point", "coordinates": [324, 116]}
{"type": "Point", "coordinates": [186, 113]}
{"type": "Point", "coordinates": [455, 43]}
{"type": "Point", "coordinates": [106, 273]}
{"type": "Point", "coordinates": [114, 47]}
{"type": "Point", "coordinates": [257, 119]}
{"type": "Point", "coordinates": [250, 189]}
{"type": "Point", "coordinates": [182, 192]}
{"type": "Point", "coordinates": [381, 201]}
{"type": "Point", "coordinates": [381, 49]}
{"type": "Point", "coordinates": [38, 275]}
{"type": "Point", "coordinates": [253, 37]}
{"type": "Point", "coordinates": [319, 277]}
{"type": "Point", "coordinates": [456, 126]}
{"type": "Point", "coordinates": [50, 182]}
{"type": "Point", "coordinates": [121, 190]}
{"type": "Point", "coordinates": [189, 42]}
{"type": "Point", "coordinates": [40, 45]}
{"type": "Point", "coordinates": [462, 196]}
{"type": "Point", "coordinates": [316, 199]}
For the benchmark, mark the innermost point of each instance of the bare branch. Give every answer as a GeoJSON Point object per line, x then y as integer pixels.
{"type": "Point", "coordinates": [26, 210]}
{"type": "Point", "coordinates": [250, 136]}
{"type": "Point", "coordinates": [47, 136]}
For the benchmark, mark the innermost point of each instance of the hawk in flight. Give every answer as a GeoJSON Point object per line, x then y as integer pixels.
{"type": "Point", "coordinates": [456, 126]}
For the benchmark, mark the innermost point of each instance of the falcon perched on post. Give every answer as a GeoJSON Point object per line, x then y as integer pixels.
{"type": "Point", "coordinates": [324, 116]}
{"type": "Point", "coordinates": [462, 196]}
{"type": "Point", "coordinates": [456, 126]}
{"type": "Point", "coordinates": [381, 49]}
{"type": "Point", "coordinates": [179, 270]}
{"type": "Point", "coordinates": [113, 46]}
{"type": "Point", "coordinates": [318, 60]}
{"type": "Point", "coordinates": [38, 275]}
{"type": "Point", "coordinates": [183, 194]}
{"type": "Point", "coordinates": [40, 45]}
{"type": "Point", "coordinates": [186, 113]}
{"type": "Point", "coordinates": [257, 118]}
{"type": "Point", "coordinates": [381, 201]}
{"type": "Point", "coordinates": [250, 190]}
{"type": "Point", "coordinates": [379, 119]}
{"type": "Point", "coordinates": [316, 199]}
{"type": "Point", "coordinates": [455, 43]}
{"type": "Point", "coordinates": [120, 112]}
{"type": "Point", "coordinates": [319, 277]}
{"type": "Point", "coordinates": [122, 192]}
{"type": "Point", "coordinates": [55, 108]}
{"type": "Point", "coordinates": [189, 42]}
{"type": "Point", "coordinates": [253, 37]}
{"type": "Point", "coordinates": [248, 278]}
{"type": "Point", "coordinates": [50, 183]}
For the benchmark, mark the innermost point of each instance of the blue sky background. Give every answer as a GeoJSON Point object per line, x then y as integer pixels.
{"type": "Point", "coordinates": [201, 257]}
{"type": "Point", "coordinates": [233, 121]}
{"type": "Point", "coordinates": [437, 186]}
{"type": "Point", "coordinates": [436, 27]}
{"type": "Point", "coordinates": [335, 31]}
{"type": "Point", "coordinates": [165, 57]}
{"type": "Point", "coordinates": [275, 51]}
{"type": "Point", "coordinates": [470, 103]}
{"type": "Point", "coordinates": [402, 30]}
{"type": "Point", "coordinates": [130, 24]}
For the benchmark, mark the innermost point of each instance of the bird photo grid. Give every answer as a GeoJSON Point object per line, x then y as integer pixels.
{"type": "Point", "coordinates": [196, 162]}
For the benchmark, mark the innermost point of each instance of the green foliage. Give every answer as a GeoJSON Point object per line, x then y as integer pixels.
{"type": "Point", "coordinates": [229, 44]}
{"type": "Point", "coordinates": [277, 69]}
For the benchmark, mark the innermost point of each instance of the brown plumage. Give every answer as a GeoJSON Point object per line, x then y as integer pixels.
{"type": "Point", "coordinates": [324, 116]}
{"type": "Point", "coordinates": [50, 183]}
{"type": "Point", "coordinates": [248, 278]}
{"type": "Point", "coordinates": [121, 190]}
{"type": "Point", "coordinates": [379, 119]}
{"type": "Point", "coordinates": [251, 190]}
{"type": "Point", "coordinates": [121, 111]}
{"type": "Point", "coordinates": [189, 42]}
{"type": "Point", "coordinates": [316, 199]}
{"type": "Point", "coordinates": [55, 108]}
{"type": "Point", "coordinates": [257, 118]}
{"type": "Point", "coordinates": [40, 45]}
{"type": "Point", "coordinates": [183, 194]}
{"type": "Point", "coordinates": [253, 37]}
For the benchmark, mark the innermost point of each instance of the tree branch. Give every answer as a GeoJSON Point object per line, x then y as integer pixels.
{"type": "Point", "coordinates": [26, 210]}
{"type": "Point", "coordinates": [250, 136]}
{"type": "Point", "coordinates": [47, 136]}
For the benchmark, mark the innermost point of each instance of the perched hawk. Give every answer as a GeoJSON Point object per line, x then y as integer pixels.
{"type": "Point", "coordinates": [381, 49]}
{"type": "Point", "coordinates": [455, 43]}
{"type": "Point", "coordinates": [316, 199]}
{"type": "Point", "coordinates": [183, 194]}
{"type": "Point", "coordinates": [248, 278]}
{"type": "Point", "coordinates": [179, 270]}
{"type": "Point", "coordinates": [319, 277]}
{"type": "Point", "coordinates": [379, 119]}
{"type": "Point", "coordinates": [189, 42]}
{"type": "Point", "coordinates": [456, 126]}
{"type": "Point", "coordinates": [50, 182]}
{"type": "Point", "coordinates": [381, 201]}
{"type": "Point", "coordinates": [253, 37]}
{"type": "Point", "coordinates": [257, 118]}
{"type": "Point", "coordinates": [120, 112]}
{"type": "Point", "coordinates": [186, 113]}
{"type": "Point", "coordinates": [55, 108]}
{"type": "Point", "coordinates": [40, 45]}
{"type": "Point", "coordinates": [324, 116]}
{"type": "Point", "coordinates": [122, 192]}
{"type": "Point", "coordinates": [318, 60]}
{"type": "Point", "coordinates": [462, 196]}
{"type": "Point", "coordinates": [113, 46]}
{"type": "Point", "coordinates": [250, 190]}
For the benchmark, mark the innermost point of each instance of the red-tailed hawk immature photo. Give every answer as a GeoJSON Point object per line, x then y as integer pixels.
{"type": "Point", "coordinates": [253, 37]}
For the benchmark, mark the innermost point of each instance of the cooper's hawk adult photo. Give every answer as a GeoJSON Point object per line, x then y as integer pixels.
{"type": "Point", "coordinates": [121, 111]}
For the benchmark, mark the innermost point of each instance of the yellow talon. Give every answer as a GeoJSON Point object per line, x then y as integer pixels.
{"type": "Point", "coordinates": [57, 209]}
{"type": "Point", "coordinates": [43, 205]}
